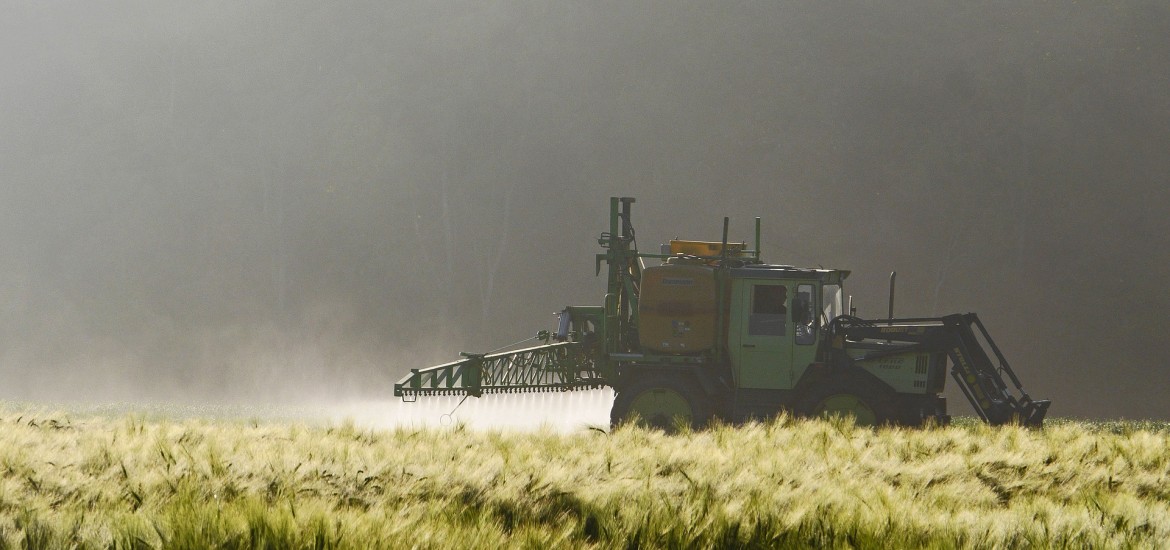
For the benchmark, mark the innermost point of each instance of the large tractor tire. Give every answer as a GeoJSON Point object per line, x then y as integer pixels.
{"type": "Point", "coordinates": [867, 404]}
{"type": "Point", "coordinates": [663, 403]}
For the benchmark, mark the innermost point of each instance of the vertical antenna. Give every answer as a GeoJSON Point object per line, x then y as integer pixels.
{"type": "Point", "coordinates": [757, 239]}
{"type": "Point", "coordinates": [893, 275]}
{"type": "Point", "coordinates": [723, 248]}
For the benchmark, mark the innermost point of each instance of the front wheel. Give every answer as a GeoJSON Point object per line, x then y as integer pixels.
{"type": "Point", "coordinates": [868, 405]}
{"type": "Point", "coordinates": [662, 403]}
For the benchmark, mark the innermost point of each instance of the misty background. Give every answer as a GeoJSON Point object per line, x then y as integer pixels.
{"type": "Point", "coordinates": [291, 201]}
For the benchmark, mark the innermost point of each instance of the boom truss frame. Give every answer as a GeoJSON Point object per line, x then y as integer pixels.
{"type": "Point", "coordinates": [562, 366]}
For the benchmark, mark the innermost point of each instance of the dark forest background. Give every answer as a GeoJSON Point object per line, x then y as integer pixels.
{"type": "Point", "coordinates": [290, 201]}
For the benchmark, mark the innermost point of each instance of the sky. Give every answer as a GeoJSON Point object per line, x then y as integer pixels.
{"type": "Point", "coordinates": [288, 201]}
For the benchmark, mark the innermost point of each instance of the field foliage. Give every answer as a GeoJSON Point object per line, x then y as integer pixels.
{"type": "Point", "coordinates": [130, 481]}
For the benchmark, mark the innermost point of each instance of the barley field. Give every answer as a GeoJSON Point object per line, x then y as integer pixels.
{"type": "Point", "coordinates": [125, 479]}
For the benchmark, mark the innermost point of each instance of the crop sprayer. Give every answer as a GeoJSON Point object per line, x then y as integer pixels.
{"type": "Point", "coordinates": [712, 331]}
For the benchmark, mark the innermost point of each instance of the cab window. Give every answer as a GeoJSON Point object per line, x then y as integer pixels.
{"type": "Point", "coordinates": [804, 316]}
{"type": "Point", "coordinates": [769, 310]}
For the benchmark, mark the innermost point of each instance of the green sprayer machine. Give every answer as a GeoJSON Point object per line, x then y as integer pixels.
{"type": "Point", "coordinates": [711, 331]}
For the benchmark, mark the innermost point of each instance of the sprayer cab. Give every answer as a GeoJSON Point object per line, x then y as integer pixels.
{"type": "Point", "coordinates": [706, 329]}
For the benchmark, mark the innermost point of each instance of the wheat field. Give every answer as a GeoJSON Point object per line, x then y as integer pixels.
{"type": "Point", "coordinates": [127, 480]}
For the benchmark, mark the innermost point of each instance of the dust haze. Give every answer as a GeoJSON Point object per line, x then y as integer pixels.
{"type": "Point", "coordinates": [298, 201]}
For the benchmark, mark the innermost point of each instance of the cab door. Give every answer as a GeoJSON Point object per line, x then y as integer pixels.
{"type": "Point", "coordinates": [761, 333]}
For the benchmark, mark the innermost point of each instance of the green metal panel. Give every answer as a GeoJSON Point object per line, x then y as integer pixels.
{"type": "Point", "coordinates": [760, 345]}
{"type": "Point", "coordinates": [905, 372]}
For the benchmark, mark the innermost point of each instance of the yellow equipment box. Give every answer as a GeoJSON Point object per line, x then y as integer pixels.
{"type": "Point", "coordinates": [676, 308]}
{"type": "Point", "coordinates": [704, 248]}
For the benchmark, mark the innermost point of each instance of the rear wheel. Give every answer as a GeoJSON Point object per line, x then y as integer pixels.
{"type": "Point", "coordinates": [868, 405]}
{"type": "Point", "coordinates": [662, 403]}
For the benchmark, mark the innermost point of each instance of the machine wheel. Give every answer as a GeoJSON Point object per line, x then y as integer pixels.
{"type": "Point", "coordinates": [870, 406]}
{"type": "Point", "coordinates": [660, 402]}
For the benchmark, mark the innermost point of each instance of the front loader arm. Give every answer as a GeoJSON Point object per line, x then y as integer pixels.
{"type": "Point", "coordinates": [978, 376]}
